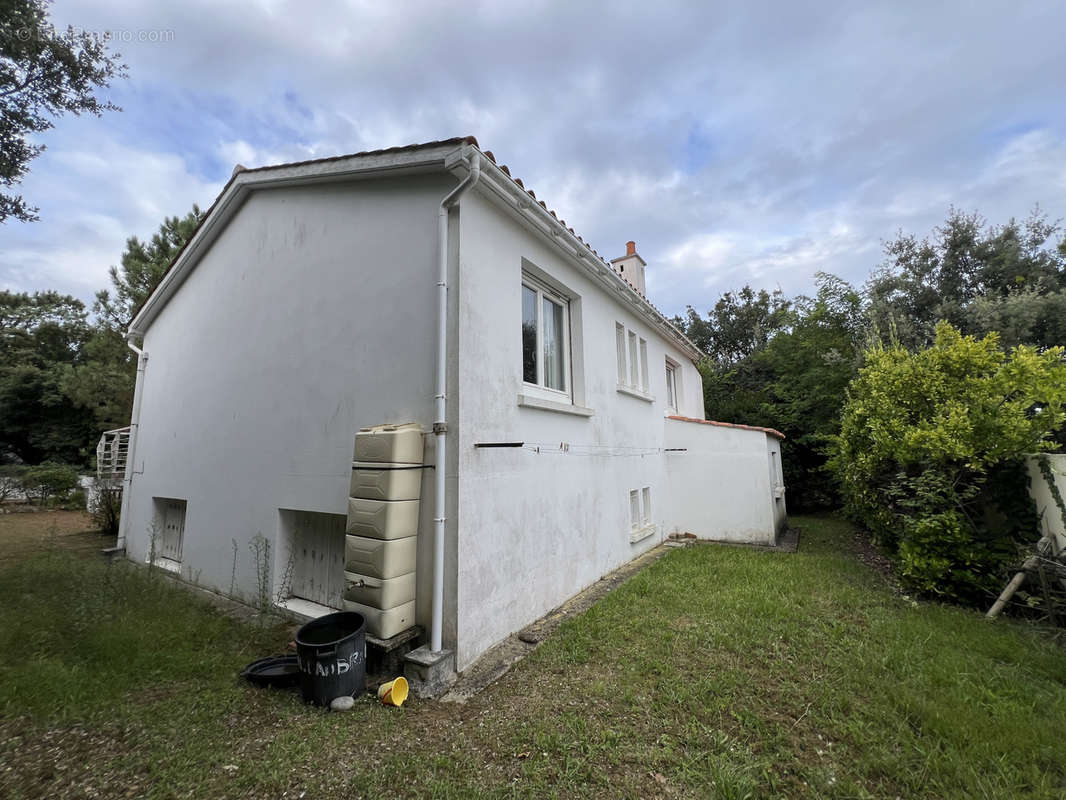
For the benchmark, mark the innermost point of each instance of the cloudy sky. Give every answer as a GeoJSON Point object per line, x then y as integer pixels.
{"type": "Point", "coordinates": [736, 143]}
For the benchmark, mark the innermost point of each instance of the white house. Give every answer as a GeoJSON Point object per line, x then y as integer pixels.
{"type": "Point", "coordinates": [422, 284]}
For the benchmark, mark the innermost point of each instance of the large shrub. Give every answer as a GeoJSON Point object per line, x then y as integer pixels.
{"type": "Point", "coordinates": [49, 481]}
{"type": "Point", "coordinates": [929, 455]}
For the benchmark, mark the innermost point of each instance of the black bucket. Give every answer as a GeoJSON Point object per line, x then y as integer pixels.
{"type": "Point", "coordinates": [332, 654]}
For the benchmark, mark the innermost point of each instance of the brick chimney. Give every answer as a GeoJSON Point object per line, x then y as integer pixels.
{"type": "Point", "coordinates": [631, 267]}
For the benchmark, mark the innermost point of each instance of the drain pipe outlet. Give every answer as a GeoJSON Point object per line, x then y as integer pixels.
{"type": "Point", "coordinates": [440, 427]}
{"type": "Point", "coordinates": [131, 447]}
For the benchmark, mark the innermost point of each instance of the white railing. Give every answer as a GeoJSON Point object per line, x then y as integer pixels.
{"type": "Point", "coordinates": [111, 454]}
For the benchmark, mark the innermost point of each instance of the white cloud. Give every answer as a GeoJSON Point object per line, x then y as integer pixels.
{"type": "Point", "coordinates": [737, 142]}
{"type": "Point", "coordinates": [93, 194]}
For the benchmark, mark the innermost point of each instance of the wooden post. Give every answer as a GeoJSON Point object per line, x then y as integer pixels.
{"type": "Point", "coordinates": [1012, 587]}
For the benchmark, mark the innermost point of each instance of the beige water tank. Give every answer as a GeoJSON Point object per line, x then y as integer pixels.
{"type": "Point", "coordinates": [379, 592]}
{"type": "Point", "coordinates": [384, 623]}
{"type": "Point", "coordinates": [382, 519]}
{"type": "Point", "coordinates": [392, 444]}
{"type": "Point", "coordinates": [376, 481]}
{"type": "Point", "coordinates": [380, 558]}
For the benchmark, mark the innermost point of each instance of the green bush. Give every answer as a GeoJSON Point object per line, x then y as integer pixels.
{"type": "Point", "coordinates": [929, 456]}
{"type": "Point", "coordinates": [49, 480]}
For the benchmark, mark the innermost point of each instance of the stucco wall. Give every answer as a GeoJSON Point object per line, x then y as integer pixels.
{"type": "Point", "coordinates": [1051, 519]}
{"type": "Point", "coordinates": [535, 528]}
{"type": "Point", "coordinates": [720, 483]}
{"type": "Point", "coordinates": [312, 315]}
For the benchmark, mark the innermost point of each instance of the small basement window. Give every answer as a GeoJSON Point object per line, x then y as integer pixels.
{"type": "Point", "coordinates": [168, 529]}
{"type": "Point", "coordinates": [640, 524]}
{"type": "Point", "coordinates": [312, 545]}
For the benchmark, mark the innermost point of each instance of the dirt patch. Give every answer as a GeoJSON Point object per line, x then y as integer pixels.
{"type": "Point", "coordinates": [866, 551]}
{"type": "Point", "coordinates": [23, 534]}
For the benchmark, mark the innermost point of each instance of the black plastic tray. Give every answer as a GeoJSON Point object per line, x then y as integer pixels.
{"type": "Point", "coordinates": [277, 671]}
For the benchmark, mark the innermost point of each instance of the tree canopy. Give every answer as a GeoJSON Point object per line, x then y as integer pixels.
{"type": "Point", "coordinates": [1008, 278]}
{"type": "Point", "coordinates": [140, 269]}
{"type": "Point", "coordinates": [42, 335]}
{"type": "Point", "coordinates": [64, 378]}
{"type": "Point", "coordinates": [740, 324]}
{"type": "Point", "coordinates": [44, 73]}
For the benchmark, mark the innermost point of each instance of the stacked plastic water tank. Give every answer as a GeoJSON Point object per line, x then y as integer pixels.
{"type": "Point", "coordinates": [382, 532]}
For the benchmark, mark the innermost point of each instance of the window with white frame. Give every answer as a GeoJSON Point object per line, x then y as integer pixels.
{"type": "Point", "coordinates": [634, 509]}
{"type": "Point", "coordinates": [671, 385]}
{"type": "Point", "coordinates": [632, 355]}
{"type": "Point", "coordinates": [645, 511]}
{"type": "Point", "coordinates": [545, 337]}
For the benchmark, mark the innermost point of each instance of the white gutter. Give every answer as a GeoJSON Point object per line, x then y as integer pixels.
{"type": "Point", "coordinates": [131, 447]}
{"type": "Point", "coordinates": [440, 427]}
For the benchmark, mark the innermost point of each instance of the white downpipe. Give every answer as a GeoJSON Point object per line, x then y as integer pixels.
{"type": "Point", "coordinates": [440, 427]}
{"type": "Point", "coordinates": [131, 448]}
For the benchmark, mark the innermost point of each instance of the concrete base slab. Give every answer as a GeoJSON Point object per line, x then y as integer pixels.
{"type": "Point", "coordinates": [787, 542]}
{"type": "Point", "coordinates": [385, 657]}
{"type": "Point", "coordinates": [429, 673]}
{"type": "Point", "coordinates": [300, 610]}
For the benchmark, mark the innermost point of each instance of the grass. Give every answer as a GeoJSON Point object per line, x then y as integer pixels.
{"type": "Point", "coordinates": [715, 672]}
{"type": "Point", "coordinates": [24, 533]}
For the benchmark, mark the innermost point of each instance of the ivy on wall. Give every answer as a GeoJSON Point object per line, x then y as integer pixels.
{"type": "Point", "coordinates": [1044, 463]}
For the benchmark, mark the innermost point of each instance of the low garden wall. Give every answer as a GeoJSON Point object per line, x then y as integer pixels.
{"type": "Point", "coordinates": [1051, 516]}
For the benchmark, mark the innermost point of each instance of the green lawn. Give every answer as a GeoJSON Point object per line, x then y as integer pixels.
{"type": "Point", "coordinates": [715, 672]}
